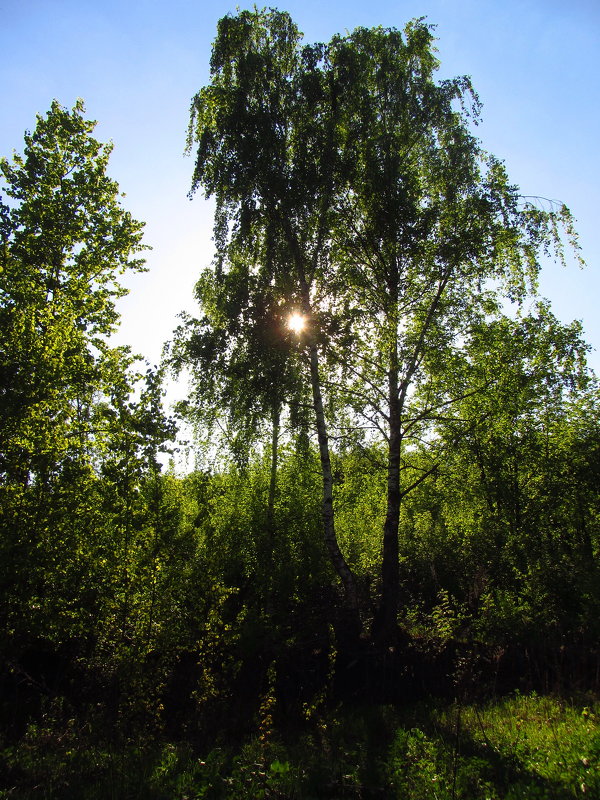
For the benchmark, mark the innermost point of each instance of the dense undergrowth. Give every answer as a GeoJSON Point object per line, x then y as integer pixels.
{"type": "Point", "coordinates": [167, 661]}
{"type": "Point", "coordinates": [519, 747]}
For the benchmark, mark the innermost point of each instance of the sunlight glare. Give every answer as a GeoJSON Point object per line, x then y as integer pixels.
{"type": "Point", "coordinates": [296, 322]}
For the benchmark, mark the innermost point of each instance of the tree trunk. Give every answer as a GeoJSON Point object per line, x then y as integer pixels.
{"type": "Point", "coordinates": [385, 624]}
{"type": "Point", "coordinates": [270, 580]}
{"type": "Point", "coordinates": [273, 475]}
{"type": "Point", "coordinates": [352, 625]}
{"type": "Point", "coordinates": [337, 559]}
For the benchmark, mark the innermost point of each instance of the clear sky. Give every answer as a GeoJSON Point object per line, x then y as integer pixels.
{"type": "Point", "coordinates": [137, 64]}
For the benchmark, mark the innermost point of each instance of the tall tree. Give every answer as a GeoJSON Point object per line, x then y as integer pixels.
{"type": "Point", "coordinates": [429, 237]}
{"type": "Point", "coordinates": [355, 172]}
{"type": "Point", "coordinates": [66, 239]}
{"type": "Point", "coordinates": [266, 134]}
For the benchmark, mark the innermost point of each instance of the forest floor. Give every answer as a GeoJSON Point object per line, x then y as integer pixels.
{"type": "Point", "coordinates": [521, 747]}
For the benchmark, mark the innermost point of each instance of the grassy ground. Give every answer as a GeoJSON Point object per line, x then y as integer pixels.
{"type": "Point", "coordinates": [518, 748]}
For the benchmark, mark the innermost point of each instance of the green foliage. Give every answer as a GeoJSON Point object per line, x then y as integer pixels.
{"type": "Point", "coordinates": [521, 747]}
{"type": "Point", "coordinates": [348, 185]}
{"type": "Point", "coordinates": [182, 636]}
{"type": "Point", "coordinates": [360, 508]}
{"type": "Point", "coordinates": [91, 534]}
{"type": "Point", "coordinates": [66, 239]}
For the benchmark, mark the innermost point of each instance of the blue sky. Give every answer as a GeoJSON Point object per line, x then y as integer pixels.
{"type": "Point", "coordinates": [137, 63]}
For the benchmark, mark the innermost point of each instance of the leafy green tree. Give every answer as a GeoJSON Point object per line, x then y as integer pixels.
{"type": "Point", "coordinates": [429, 237]}
{"type": "Point", "coordinates": [350, 177]}
{"type": "Point", "coordinates": [506, 533]}
{"type": "Point", "coordinates": [265, 130]}
{"type": "Point", "coordinates": [66, 239]}
{"type": "Point", "coordinates": [527, 451]}
{"type": "Point", "coordinates": [241, 360]}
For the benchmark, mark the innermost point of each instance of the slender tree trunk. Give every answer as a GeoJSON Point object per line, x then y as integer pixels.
{"type": "Point", "coordinates": [340, 565]}
{"type": "Point", "coordinates": [273, 475]}
{"type": "Point", "coordinates": [337, 559]}
{"type": "Point", "coordinates": [270, 580]}
{"type": "Point", "coordinates": [385, 627]}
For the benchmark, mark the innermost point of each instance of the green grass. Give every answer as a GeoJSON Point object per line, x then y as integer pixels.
{"type": "Point", "coordinates": [517, 748]}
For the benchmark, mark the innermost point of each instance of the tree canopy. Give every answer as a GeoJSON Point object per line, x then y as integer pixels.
{"type": "Point", "coordinates": [349, 185]}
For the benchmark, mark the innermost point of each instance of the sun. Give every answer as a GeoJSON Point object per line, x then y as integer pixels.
{"type": "Point", "coordinates": [296, 322]}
